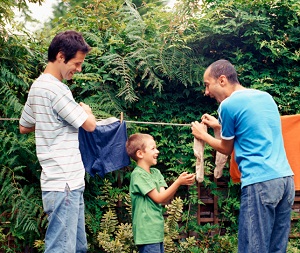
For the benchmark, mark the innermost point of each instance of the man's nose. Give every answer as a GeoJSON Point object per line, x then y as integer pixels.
{"type": "Point", "coordinates": [79, 68]}
{"type": "Point", "coordinates": [206, 93]}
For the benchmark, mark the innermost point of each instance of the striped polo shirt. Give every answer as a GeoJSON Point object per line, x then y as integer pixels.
{"type": "Point", "coordinates": [51, 107]}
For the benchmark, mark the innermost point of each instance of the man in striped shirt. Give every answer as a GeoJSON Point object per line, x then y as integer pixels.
{"type": "Point", "coordinates": [52, 113]}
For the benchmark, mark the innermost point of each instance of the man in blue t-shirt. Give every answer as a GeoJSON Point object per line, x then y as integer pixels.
{"type": "Point", "coordinates": [250, 124]}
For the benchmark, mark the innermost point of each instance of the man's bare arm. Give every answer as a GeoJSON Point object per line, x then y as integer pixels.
{"type": "Point", "coordinates": [26, 130]}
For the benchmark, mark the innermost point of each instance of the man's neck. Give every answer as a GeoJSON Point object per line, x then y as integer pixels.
{"type": "Point", "coordinates": [52, 70]}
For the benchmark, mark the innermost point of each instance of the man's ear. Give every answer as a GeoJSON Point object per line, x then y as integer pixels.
{"type": "Point", "coordinates": [222, 80]}
{"type": "Point", "coordinates": [139, 154]}
{"type": "Point", "coordinates": [60, 57]}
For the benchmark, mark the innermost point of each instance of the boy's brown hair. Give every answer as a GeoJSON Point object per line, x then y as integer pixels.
{"type": "Point", "coordinates": [136, 142]}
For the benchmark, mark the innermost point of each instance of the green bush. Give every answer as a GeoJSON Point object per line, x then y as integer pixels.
{"type": "Point", "coordinates": [150, 68]}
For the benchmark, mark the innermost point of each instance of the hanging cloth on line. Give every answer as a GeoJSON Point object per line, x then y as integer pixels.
{"type": "Point", "coordinates": [220, 159]}
{"type": "Point", "coordinates": [104, 150]}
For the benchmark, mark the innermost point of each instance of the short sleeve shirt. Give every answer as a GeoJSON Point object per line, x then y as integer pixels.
{"type": "Point", "coordinates": [251, 117]}
{"type": "Point", "coordinates": [147, 217]}
{"type": "Point", "coordinates": [51, 108]}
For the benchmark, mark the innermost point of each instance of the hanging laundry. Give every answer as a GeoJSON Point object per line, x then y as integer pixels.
{"type": "Point", "coordinates": [199, 153]}
{"type": "Point", "coordinates": [220, 160]}
{"type": "Point", "coordinates": [290, 125]}
{"type": "Point", "coordinates": [104, 149]}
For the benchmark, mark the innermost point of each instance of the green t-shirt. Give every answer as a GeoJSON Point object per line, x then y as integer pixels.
{"type": "Point", "coordinates": [147, 217]}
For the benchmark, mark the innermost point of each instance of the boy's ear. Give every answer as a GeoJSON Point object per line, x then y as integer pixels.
{"type": "Point", "coordinates": [139, 154]}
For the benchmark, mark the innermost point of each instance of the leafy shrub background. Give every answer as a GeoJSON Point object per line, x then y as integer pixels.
{"type": "Point", "coordinates": [147, 62]}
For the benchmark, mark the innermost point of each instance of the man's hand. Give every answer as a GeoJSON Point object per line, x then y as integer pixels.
{"type": "Point", "coordinates": [210, 121]}
{"type": "Point", "coordinates": [86, 107]}
{"type": "Point", "coordinates": [198, 130]}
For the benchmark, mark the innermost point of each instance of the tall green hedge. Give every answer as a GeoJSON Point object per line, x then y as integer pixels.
{"type": "Point", "coordinates": [149, 67]}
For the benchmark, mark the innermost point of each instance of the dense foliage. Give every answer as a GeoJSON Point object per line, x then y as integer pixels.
{"type": "Point", "coordinates": [149, 65]}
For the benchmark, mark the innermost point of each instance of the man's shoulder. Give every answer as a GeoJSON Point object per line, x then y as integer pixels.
{"type": "Point", "coordinates": [47, 80]}
{"type": "Point", "coordinates": [46, 83]}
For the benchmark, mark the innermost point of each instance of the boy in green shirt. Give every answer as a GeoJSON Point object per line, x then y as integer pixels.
{"type": "Point", "coordinates": [147, 192]}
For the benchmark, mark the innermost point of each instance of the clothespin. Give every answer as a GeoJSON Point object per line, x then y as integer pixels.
{"type": "Point", "coordinates": [121, 120]}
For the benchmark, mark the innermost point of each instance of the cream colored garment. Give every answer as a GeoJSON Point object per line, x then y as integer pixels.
{"type": "Point", "coordinates": [221, 159]}
{"type": "Point", "coordinates": [199, 153]}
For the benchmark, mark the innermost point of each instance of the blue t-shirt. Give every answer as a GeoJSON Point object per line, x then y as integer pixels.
{"type": "Point", "coordinates": [251, 117]}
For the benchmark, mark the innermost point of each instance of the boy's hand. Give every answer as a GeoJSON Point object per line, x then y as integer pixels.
{"type": "Point", "coordinates": [186, 179]}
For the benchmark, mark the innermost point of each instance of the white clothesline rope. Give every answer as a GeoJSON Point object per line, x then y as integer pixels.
{"type": "Point", "coordinates": [127, 121]}
{"type": "Point", "coordinates": [7, 119]}
{"type": "Point", "coordinates": [157, 123]}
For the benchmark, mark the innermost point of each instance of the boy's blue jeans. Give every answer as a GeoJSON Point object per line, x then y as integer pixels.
{"type": "Point", "coordinates": [151, 248]}
{"type": "Point", "coordinates": [66, 228]}
{"type": "Point", "coordinates": [265, 216]}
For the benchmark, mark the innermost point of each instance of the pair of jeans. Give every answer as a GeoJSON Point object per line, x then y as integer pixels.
{"type": "Point", "coordinates": [66, 227]}
{"type": "Point", "coordinates": [265, 216]}
{"type": "Point", "coordinates": [151, 248]}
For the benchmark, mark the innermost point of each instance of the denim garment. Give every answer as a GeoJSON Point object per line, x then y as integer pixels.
{"type": "Point", "coordinates": [66, 228]}
{"type": "Point", "coordinates": [265, 216]}
{"type": "Point", "coordinates": [151, 248]}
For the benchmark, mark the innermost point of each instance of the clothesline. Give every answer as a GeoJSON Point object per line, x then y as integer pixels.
{"type": "Point", "coordinates": [7, 119]}
{"type": "Point", "coordinates": [127, 121]}
{"type": "Point", "coordinates": [157, 123]}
